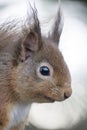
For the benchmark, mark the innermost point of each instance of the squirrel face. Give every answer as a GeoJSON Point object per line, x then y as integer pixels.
{"type": "Point", "coordinates": [39, 72]}
{"type": "Point", "coordinates": [44, 76]}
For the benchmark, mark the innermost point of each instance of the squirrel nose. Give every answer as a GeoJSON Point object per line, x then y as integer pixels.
{"type": "Point", "coordinates": [67, 94]}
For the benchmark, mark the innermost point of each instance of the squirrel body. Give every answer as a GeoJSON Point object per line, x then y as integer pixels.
{"type": "Point", "coordinates": [32, 69]}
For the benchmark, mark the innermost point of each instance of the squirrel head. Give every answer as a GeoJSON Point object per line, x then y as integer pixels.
{"type": "Point", "coordinates": [39, 72]}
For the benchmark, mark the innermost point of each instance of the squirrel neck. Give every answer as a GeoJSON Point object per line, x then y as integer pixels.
{"type": "Point", "coordinates": [18, 114]}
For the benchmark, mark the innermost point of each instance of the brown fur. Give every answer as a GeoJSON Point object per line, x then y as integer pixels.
{"type": "Point", "coordinates": [21, 52]}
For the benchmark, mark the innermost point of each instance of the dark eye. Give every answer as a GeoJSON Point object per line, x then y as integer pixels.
{"type": "Point", "coordinates": [44, 70]}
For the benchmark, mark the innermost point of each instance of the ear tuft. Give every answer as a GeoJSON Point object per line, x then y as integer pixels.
{"type": "Point", "coordinates": [55, 34]}
{"type": "Point", "coordinates": [32, 33]}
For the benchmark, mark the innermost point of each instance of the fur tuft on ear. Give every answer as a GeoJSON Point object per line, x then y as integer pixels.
{"type": "Point", "coordinates": [32, 33]}
{"type": "Point", "coordinates": [55, 34]}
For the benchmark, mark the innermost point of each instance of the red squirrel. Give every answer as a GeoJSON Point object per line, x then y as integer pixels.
{"type": "Point", "coordinates": [32, 69]}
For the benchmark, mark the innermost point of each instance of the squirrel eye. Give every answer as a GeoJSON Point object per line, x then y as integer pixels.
{"type": "Point", "coordinates": [44, 70]}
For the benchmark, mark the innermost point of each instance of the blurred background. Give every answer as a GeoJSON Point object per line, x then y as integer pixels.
{"type": "Point", "coordinates": [70, 114]}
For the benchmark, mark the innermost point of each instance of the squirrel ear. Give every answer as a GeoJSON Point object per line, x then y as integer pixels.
{"type": "Point", "coordinates": [32, 37]}
{"type": "Point", "coordinates": [32, 42]}
{"type": "Point", "coordinates": [57, 27]}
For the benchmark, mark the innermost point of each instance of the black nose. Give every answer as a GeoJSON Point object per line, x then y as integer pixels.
{"type": "Point", "coordinates": [67, 94]}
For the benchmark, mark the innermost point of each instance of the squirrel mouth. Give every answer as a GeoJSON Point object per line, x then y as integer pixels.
{"type": "Point", "coordinates": [49, 99]}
